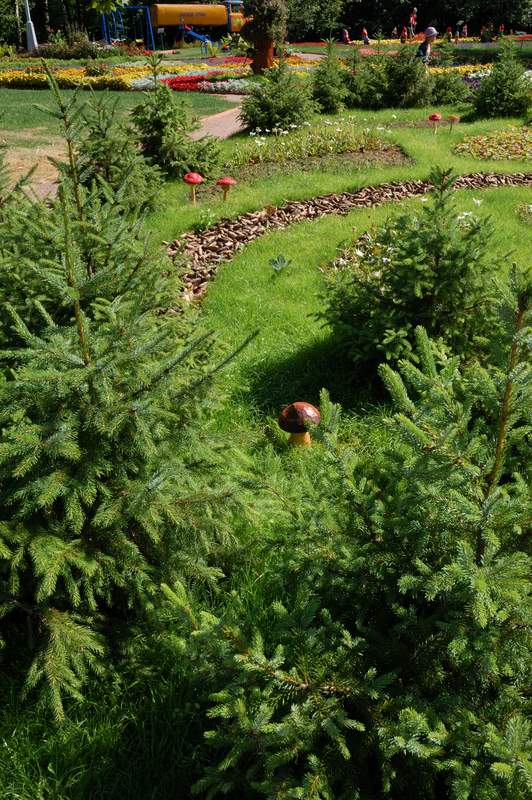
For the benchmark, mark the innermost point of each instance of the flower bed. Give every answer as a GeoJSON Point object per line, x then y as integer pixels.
{"type": "Point", "coordinates": [514, 144]}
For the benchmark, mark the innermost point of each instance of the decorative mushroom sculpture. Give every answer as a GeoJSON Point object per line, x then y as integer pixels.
{"type": "Point", "coordinates": [226, 184]}
{"type": "Point", "coordinates": [454, 119]}
{"type": "Point", "coordinates": [295, 418]}
{"type": "Point", "coordinates": [435, 119]}
{"type": "Point", "coordinates": [193, 179]}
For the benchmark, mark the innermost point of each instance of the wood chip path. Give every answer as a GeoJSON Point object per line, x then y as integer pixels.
{"type": "Point", "coordinates": [205, 250]}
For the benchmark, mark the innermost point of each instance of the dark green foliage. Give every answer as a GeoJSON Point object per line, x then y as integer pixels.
{"type": "Point", "coordinates": [386, 650]}
{"type": "Point", "coordinates": [506, 91]}
{"type": "Point", "coordinates": [106, 148]}
{"type": "Point", "coordinates": [328, 86]}
{"type": "Point", "coordinates": [163, 123]}
{"type": "Point", "coordinates": [433, 267]}
{"type": "Point", "coordinates": [448, 88]}
{"type": "Point", "coordinates": [100, 491]}
{"type": "Point", "coordinates": [279, 100]}
{"type": "Point", "coordinates": [401, 81]}
{"type": "Point", "coordinates": [366, 83]}
{"type": "Point", "coordinates": [268, 19]}
{"type": "Point", "coordinates": [409, 83]}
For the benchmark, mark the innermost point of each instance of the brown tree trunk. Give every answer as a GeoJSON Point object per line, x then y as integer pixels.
{"type": "Point", "coordinates": [262, 55]}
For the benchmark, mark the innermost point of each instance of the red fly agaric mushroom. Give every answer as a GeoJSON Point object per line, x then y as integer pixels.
{"type": "Point", "coordinates": [435, 119]}
{"type": "Point", "coordinates": [295, 418]}
{"type": "Point", "coordinates": [193, 179]}
{"type": "Point", "coordinates": [454, 119]}
{"type": "Point", "coordinates": [226, 184]}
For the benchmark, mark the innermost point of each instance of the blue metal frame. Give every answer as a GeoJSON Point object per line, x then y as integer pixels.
{"type": "Point", "coordinates": [106, 33]}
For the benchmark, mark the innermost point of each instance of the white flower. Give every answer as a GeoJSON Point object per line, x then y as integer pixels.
{"type": "Point", "coordinates": [394, 116]}
{"type": "Point", "coordinates": [358, 252]}
{"type": "Point", "coordinates": [252, 133]}
{"type": "Point", "coordinates": [292, 125]}
{"type": "Point", "coordinates": [464, 215]}
{"type": "Point", "coordinates": [267, 130]}
{"type": "Point", "coordinates": [284, 133]}
{"type": "Point", "coordinates": [424, 199]}
{"type": "Point", "coordinates": [477, 202]}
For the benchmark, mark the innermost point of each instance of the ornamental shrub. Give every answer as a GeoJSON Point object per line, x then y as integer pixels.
{"type": "Point", "coordinates": [449, 88]}
{"type": "Point", "coordinates": [328, 85]}
{"type": "Point", "coordinates": [433, 267]}
{"type": "Point", "coordinates": [106, 148]}
{"type": "Point", "coordinates": [163, 122]}
{"type": "Point", "coordinates": [279, 100]}
{"type": "Point", "coordinates": [506, 92]}
{"type": "Point", "coordinates": [384, 651]}
{"type": "Point", "coordinates": [366, 83]}
{"type": "Point", "coordinates": [101, 494]}
{"type": "Point", "coordinates": [409, 83]}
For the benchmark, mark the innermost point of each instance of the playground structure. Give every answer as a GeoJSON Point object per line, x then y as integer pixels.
{"type": "Point", "coordinates": [180, 18]}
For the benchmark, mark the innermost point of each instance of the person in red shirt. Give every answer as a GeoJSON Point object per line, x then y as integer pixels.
{"type": "Point", "coordinates": [404, 34]}
{"type": "Point", "coordinates": [413, 23]}
{"type": "Point", "coordinates": [365, 36]}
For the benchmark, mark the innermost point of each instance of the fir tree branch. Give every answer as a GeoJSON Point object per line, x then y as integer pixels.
{"type": "Point", "coordinates": [71, 280]}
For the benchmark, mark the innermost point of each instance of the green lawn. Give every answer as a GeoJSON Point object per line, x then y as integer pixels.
{"type": "Point", "coordinates": [18, 111]}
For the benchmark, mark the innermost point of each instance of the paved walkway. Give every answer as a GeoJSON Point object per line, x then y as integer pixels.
{"type": "Point", "coordinates": [222, 125]}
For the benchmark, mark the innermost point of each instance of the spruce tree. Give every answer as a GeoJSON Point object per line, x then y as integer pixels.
{"type": "Point", "coordinates": [390, 656]}
{"type": "Point", "coordinates": [100, 488]}
{"type": "Point", "coordinates": [328, 85]}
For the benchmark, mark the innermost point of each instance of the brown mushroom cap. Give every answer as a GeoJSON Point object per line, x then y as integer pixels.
{"type": "Point", "coordinates": [296, 417]}
{"type": "Point", "coordinates": [227, 181]}
{"type": "Point", "coordinates": [193, 178]}
{"type": "Point", "coordinates": [454, 118]}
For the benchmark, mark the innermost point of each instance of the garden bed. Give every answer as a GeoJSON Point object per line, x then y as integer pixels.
{"type": "Point", "coordinates": [514, 144]}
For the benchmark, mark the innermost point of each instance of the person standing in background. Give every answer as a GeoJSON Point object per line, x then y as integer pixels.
{"type": "Point", "coordinates": [465, 32]}
{"type": "Point", "coordinates": [413, 23]}
{"type": "Point", "coordinates": [404, 34]}
{"type": "Point", "coordinates": [365, 35]}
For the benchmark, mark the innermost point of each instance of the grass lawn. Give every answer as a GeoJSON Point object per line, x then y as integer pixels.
{"type": "Point", "coordinates": [18, 111]}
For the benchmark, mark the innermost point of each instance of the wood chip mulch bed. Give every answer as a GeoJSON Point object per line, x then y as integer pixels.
{"type": "Point", "coordinates": [205, 250]}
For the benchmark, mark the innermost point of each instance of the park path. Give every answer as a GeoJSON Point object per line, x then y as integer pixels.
{"type": "Point", "coordinates": [224, 124]}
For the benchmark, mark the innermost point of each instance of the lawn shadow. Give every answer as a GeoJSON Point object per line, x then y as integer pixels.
{"type": "Point", "coordinates": [280, 381]}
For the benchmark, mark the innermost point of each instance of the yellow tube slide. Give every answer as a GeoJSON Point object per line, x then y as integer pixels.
{"type": "Point", "coordinates": [164, 15]}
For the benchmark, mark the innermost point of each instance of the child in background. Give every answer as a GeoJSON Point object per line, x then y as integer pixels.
{"type": "Point", "coordinates": [413, 23]}
{"type": "Point", "coordinates": [465, 32]}
{"type": "Point", "coordinates": [365, 36]}
{"type": "Point", "coordinates": [346, 39]}
{"type": "Point", "coordinates": [404, 34]}
{"type": "Point", "coordinates": [425, 49]}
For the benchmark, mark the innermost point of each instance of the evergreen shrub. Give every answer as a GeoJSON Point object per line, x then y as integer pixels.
{"type": "Point", "coordinates": [384, 651]}
{"type": "Point", "coordinates": [107, 148]}
{"type": "Point", "coordinates": [328, 85]}
{"type": "Point", "coordinates": [279, 100]}
{"type": "Point", "coordinates": [506, 92]}
{"type": "Point", "coordinates": [163, 122]}
{"type": "Point", "coordinates": [100, 488]}
{"type": "Point", "coordinates": [434, 268]}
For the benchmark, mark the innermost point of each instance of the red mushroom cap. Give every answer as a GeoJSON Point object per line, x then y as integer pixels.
{"type": "Point", "coordinates": [435, 117]}
{"type": "Point", "coordinates": [295, 417]}
{"type": "Point", "coordinates": [227, 181]}
{"type": "Point", "coordinates": [193, 178]}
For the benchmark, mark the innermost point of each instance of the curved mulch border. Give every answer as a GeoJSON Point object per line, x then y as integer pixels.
{"type": "Point", "coordinates": [223, 240]}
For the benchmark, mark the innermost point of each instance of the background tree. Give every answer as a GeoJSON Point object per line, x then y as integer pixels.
{"type": "Point", "coordinates": [267, 28]}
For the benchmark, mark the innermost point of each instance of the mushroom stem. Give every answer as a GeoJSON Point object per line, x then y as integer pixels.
{"type": "Point", "coordinates": [225, 191]}
{"type": "Point", "coordinates": [193, 194]}
{"type": "Point", "coordinates": [451, 128]}
{"type": "Point", "coordinates": [300, 439]}
{"type": "Point", "coordinates": [435, 127]}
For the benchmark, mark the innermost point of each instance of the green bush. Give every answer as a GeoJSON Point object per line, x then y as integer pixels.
{"type": "Point", "coordinates": [163, 122]}
{"type": "Point", "coordinates": [367, 84]}
{"type": "Point", "coordinates": [506, 92]}
{"type": "Point", "coordinates": [409, 83]}
{"type": "Point", "coordinates": [107, 148]}
{"type": "Point", "coordinates": [328, 85]}
{"type": "Point", "coordinates": [100, 489]}
{"type": "Point", "coordinates": [280, 99]}
{"type": "Point", "coordinates": [433, 268]}
{"type": "Point", "coordinates": [401, 81]}
{"type": "Point", "coordinates": [448, 88]}
{"type": "Point", "coordinates": [384, 651]}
